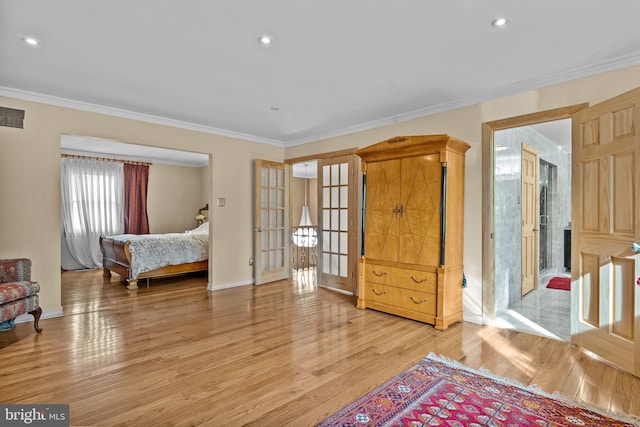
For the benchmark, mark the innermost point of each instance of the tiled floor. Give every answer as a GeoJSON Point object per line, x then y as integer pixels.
{"type": "Point", "coordinates": [543, 311]}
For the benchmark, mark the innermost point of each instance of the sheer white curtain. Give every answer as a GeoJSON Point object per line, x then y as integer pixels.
{"type": "Point", "coordinates": [92, 204]}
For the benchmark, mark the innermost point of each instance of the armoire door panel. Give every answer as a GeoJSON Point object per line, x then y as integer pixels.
{"type": "Point", "coordinates": [382, 204]}
{"type": "Point", "coordinates": [420, 210]}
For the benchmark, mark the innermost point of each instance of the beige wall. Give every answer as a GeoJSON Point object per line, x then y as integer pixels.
{"type": "Point", "coordinates": [466, 123]}
{"type": "Point", "coordinates": [30, 188]}
{"type": "Point", "coordinates": [173, 198]}
{"type": "Point", "coordinates": [30, 174]}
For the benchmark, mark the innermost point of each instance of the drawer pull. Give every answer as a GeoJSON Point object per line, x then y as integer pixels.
{"type": "Point", "coordinates": [415, 301]}
{"type": "Point", "coordinates": [419, 280]}
{"type": "Point", "coordinates": [377, 292]}
{"type": "Point", "coordinates": [384, 273]}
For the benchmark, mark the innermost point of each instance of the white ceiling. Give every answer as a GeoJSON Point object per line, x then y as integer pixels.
{"type": "Point", "coordinates": [333, 68]}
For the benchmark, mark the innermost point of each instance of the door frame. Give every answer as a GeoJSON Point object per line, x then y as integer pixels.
{"type": "Point", "coordinates": [355, 232]}
{"type": "Point", "coordinates": [488, 190]}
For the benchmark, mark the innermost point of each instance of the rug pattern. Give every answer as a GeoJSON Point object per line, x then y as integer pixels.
{"type": "Point", "coordinates": [439, 392]}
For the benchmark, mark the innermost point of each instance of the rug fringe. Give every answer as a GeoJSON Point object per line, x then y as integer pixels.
{"type": "Point", "coordinates": [534, 388]}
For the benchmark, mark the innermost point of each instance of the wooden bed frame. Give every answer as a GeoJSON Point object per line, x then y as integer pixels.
{"type": "Point", "coordinates": [116, 257]}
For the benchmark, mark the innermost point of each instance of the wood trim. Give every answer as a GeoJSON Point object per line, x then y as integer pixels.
{"type": "Point", "coordinates": [321, 156]}
{"type": "Point", "coordinates": [104, 159]}
{"type": "Point", "coordinates": [488, 191]}
{"type": "Point", "coordinates": [534, 118]}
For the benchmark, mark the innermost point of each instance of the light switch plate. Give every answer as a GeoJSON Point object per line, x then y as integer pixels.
{"type": "Point", "coordinates": [221, 202]}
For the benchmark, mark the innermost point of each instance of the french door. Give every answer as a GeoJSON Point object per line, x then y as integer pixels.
{"type": "Point", "coordinates": [337, 202]}
{"type": "Point", "coordinates": [271, 221]}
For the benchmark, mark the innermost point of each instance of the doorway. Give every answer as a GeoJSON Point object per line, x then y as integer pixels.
{"type": "Point", "coordinates": [336, 219]}
{"type": "Point", "coordinates": [540, 310]}
{"type": "Point", "coordinates": [170, 207]}
{"type": "Point", "coordinates": [304, 225]}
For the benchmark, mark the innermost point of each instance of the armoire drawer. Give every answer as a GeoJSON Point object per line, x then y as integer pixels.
{"type": "Point", "coordinates": [399, 297]}
{"type": "Point", "coordinates": [401, 277]}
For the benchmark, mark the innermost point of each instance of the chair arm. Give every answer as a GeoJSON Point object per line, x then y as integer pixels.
{"type": "Point", "coordinates": [15, 270]}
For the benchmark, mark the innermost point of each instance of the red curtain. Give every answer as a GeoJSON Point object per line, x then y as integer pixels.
{"type": "Point", "coordinates": [136, 180]}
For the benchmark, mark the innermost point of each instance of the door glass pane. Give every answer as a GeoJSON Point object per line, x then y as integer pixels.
{"type": "Point", "coordinates": [344, 197]}
{"type": "Point", "coordinates": [335, 174]}
{"type": "Point", "coordinates": [272, 239]}
{"type": "Point", "coordinates": [265, 218]}
{"type": "Point", "coordinates": [272, 197]}
{"type": "Point", "coordinates": [326, 219]}
{"type": "Point", "coordinates": [344, 176]}
{"type": "Point", "coordinates": [344, 239]}
{"type": "Point", "coordinates": [272, 178]}
{"type": "Point", "coordinates": [343, 265]}
{"type": "Point", "coordinates": [344, 219]}
{"type": "Point", "coordinates": [280, 183]}
{"type": "Point", "coordinates": [326, 176]}
{"type": "Point", "coordinates": [264, 239]}
{"type": "Point", "coordinates": [265, 176]}
{"type": "Point", "coordinates": [335, 224]}
{"type": "Point", "coordinates": [335, 199]}
{"type": "Point", "coordinates": [326, 197]}
{"type": "Point", "coordinates": [264, 198]}
{"type": "Point", "coordinates": [280, 216]}
{"type": "Point", "coordinates": [335, 242]}
{"type": "Point", "coordinates": [335, 265]}
{"type": "Point", "coordinates": [280, 198]}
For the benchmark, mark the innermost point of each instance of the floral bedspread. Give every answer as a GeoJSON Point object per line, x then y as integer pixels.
{"type": "Point", "coordinates": [151, 251]}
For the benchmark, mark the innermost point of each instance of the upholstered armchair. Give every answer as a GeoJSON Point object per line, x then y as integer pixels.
{"type": "Point", "coordinates": [18, 293]}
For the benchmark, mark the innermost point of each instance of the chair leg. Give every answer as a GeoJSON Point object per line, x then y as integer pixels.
{"type": "Point", "coordinates": [36, 315]}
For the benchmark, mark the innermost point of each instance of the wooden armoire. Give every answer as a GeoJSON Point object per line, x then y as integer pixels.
{"type": "Point", "coordinates": [413, 228]}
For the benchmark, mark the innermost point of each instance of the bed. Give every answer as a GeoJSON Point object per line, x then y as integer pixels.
{"type": "Point", "coordinates": [146, 256]}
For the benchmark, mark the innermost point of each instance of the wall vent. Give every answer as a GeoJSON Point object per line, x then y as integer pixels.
{"type": "Point", "coordinates": [10, 117]}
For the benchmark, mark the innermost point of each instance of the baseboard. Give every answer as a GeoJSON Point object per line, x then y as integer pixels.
{"type": "Point", "coordinates": [46, 314]}
{"type": "Point", "coordinates": [472, 318]}
{"type": "Point", "coordinates": [211, 287]}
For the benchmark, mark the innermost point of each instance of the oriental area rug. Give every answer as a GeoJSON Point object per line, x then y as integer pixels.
{"type": "Point", "coordinates": [441, 392]}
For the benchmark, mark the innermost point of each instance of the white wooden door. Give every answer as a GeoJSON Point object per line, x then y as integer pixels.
{"type": "Point", "coordinates": [271, 222]}
{"type": "Point", "coordinates": [606, 221]}
{"type": "Point", "coordinates": [529, 214]}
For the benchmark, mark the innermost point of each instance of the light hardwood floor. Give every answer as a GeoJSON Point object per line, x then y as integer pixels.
{"type": "Point", "coordinates": [271, 355]}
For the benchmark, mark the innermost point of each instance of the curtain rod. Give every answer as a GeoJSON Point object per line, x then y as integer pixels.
{"type": "Point", "coordinates": [104, 159]}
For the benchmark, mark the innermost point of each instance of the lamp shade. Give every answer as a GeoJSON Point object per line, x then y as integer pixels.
{"type": "Point", "coordinates": [305, 219]}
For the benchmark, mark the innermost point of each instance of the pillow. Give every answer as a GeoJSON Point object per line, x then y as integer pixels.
{"type": "Point", "coordinates": [203, 228]}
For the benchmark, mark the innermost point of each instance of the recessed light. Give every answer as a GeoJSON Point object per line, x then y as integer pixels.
{"type": "Point", "coordinates": [265, 40]}
{"type": "Point", "coordinates": [31, 41]}
{"type": "Point", "coordinates": [499, 22]}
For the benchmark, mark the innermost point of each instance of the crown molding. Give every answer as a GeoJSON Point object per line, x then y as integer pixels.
{"type": "Point", "coordinates": [126, 114]}
{"type": "Point", "coordinates": [503, 91]}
